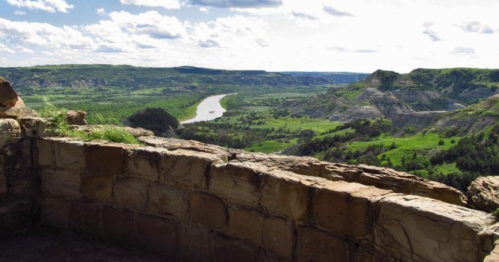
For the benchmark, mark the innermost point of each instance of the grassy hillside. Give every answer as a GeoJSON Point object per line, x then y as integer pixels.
{"type": "Point", "coordinates": [415, 99]}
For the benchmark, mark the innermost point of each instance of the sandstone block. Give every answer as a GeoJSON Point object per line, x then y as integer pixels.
{"type": "Point", "coordinates": [343, 208]}
{"type": "Point", "coordinates": [156, 234]}
{"type": "Point", "coordinates": [494, 255]}
{"type": "Point", "coordinates": [46, 153]}
{"type": "Point", "coordinates": [208, 210]}
{"type": "Point", "coordinates": [18, 110]}
{"type": "Point", "coordinates": [16, 216]}
{"type": "Point", "coordinates": [3, 180]}
{"type": "Point", "coordinates": [10, 131]}
{"type": "Point", "coordinates": [117, 224]}
{"type": "Point", "coordinates": [165, 200]}
{"type": "Point", "coordinates": [84, 218]}
{"type": "Point", "coordinates": [69, 154]}
{"type": "Point", "coordinates": [317, 246]}
{"type": "Point", "coordinates": [144, 164]}
{"type": "Point", "coordinates": [130, 193]}
{"type": "Point", "coordinates": [97, 186]}
{"type": "Point", "coordinates": [414, 227]}
{"type": "Point", "coordinates": [285, 196]}
{"type": "Point", "coordinates": [18, 155]}
{"type": "Point", "coordinates": [483, 193]}
{"type": "Point", "coordinates": [33, 126]}
{"type": "Point", "coordinates": [266, 256]}
{"type": "Point", "coordinates": [55, 213]}
{"type": "Point", "coordinates": [246, 225]}
{"type": "Point", "coordinates": [194, 243]}
{"type": "Point", "coordinates": [107, 159]}
{"type": "Point", "coordinates": [62, 183]}
{"type": "Point", "coordinates": [8, 97]}
{"type": "Point", "coordinates": [76, 117]}
{"type": "Point", "coordinates": [236, 182]}
{"type": "Point", "coordinates": [278, 237]}
{"type": "Point", "coordinates": [225, 249]}
{"type": "Point", "coordinates": [186, 168]}
{"type": "Point", "coordinates": [23, 184]}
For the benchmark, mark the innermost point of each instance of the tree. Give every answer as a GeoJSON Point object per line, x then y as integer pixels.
{"type": "Point", "coordinates": [155, 119]}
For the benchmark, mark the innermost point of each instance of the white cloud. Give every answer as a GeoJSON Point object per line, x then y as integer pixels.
{"type": "Point", "coordinates": [238, 3]}
{"type": "Point", "coordinates": [262, 42]}
{"type": "Point", "coordinates": [303, 15]}
{"type": "Point", "coordinates": [150, 23]}
{"type": "Point", "coordinates": [476, 27]}
{"type": "Point", "coordinates": [51, 6]}
{"type": "Point", "coordinates": [6, 49]}
{"type": "Point", "coordinates": [100, 11]}
{"type": "Point", "coordinates": [167, 4]}
{"type": "Point", "coordinates": [25, 50]}
{"type": "Point", "coordinates": [204, 9]}
{"type": "Point", "coordinates": [209, 43]}
{"type": "Point", "coordinates": [296, 35]}
{"type": "Point", "coordinates": [42, 35]}
{"type": "Point", "coordinates": [17, 12]}
{"type": "Point", "coordinates": [463, 51]}
{"type": "Point", "coordinates": [335, 12]}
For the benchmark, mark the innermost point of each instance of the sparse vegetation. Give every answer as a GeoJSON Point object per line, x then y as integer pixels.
{"type": "Point", "coordinates": [111, 132]}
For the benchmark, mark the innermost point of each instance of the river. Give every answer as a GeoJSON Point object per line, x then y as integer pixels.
{"type": "Point", "coordinates": [208, 109]}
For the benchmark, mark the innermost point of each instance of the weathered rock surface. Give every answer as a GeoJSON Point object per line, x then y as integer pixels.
{"type": "Point", "coordinates": [136, 132]}
{"type": "Point", "coordinates": [483, 193]}
{"type": "Point", "coordinates": [11, 105]}
{"type": "Point", "coordinates": [76, 117]}
{"type": "Point", "coordinates": [385, 178]}
{"type": "Point", "coordinates": [8, 97]}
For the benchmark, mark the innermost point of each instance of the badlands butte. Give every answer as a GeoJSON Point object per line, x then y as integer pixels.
{"type": "Point", "coordinates": [191, 201]}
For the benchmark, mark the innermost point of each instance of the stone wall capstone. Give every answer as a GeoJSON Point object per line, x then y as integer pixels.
{"type": "Point", "coordinates": [211, 205]}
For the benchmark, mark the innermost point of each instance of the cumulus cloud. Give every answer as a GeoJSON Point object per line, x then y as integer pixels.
{"type": "Point", "coordinates": [475, 27]}
{"type": "Point", "coordinates": [100, 11]}
{"type": "Point", "coordinates": [42, 35]}
{"type": "Point", "coordinates": [6, 49]}
{"type": "Point", "coordinates": [238, 3]}
{"type": "Point", "coordinates": [167, 4]}
{"type": "Point", "coordinates": [430, 33]}
{"type": "Point", "coordinates": [108, 49]}
{"type": "Point", "coordinates": [303, 15]}
{"type": "Point", "coordinates": [150, 23]}
{"type": "Point", "coordinates": [210, 43]}
{"type": "Point", "coordinates": [17, 12]}
{"type": "Point", "coordinates": [463, 51]}
{"type": "Point", "coordinates": [335, 12]}
{"type": "Point", "coordinates": [25, 50]}
{"type": "Point", "coordinates": [342, 49]}
{"type": "Point", "coordinates": [235, 31]}
{"type": "Point", "coordinates": [262, 42]}
{"type": "Point", "coordinates": [51, 6]}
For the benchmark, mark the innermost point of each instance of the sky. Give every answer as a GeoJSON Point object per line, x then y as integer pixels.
{"type": "Point", "coordinates": [272, 35]}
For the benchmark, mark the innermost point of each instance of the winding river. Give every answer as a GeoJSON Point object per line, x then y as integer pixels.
{"type": "Point", "coordinates": [208, 109]}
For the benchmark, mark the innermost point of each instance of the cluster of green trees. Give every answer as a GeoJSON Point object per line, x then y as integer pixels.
{"type": "Point", "coordinates": [155, 119]}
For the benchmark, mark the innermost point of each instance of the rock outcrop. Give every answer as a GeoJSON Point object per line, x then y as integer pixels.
{"type": "Point", "coordinates": [76, 117]}
{"type": "Point", "coordinates": [483, 193]}
{"type": "Point", "coordinates": [11, 105]}
{"type": "Point", "coordinates": [8, 97]}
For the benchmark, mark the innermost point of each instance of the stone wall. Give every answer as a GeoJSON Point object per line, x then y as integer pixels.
{"type": "Point", "coordinates": [209, 205]}
{"type": "Point", "coordinates": [19, 180]}
{"type": "Point", "coordinates": [199, 202]}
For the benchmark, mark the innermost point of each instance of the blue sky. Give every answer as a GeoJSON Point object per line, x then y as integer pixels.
{"type": "Point", "coordinates": [274, 35]}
